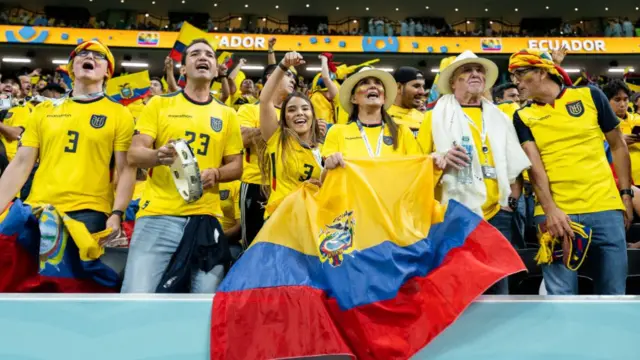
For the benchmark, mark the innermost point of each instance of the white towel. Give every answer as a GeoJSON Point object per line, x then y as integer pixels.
{"type": "Point", "coordinates": [450, 124]}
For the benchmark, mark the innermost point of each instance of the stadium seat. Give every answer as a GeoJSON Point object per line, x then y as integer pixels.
{"type": "Point", "coordinates": [526, 283]}
{"type": "Point", "coordinates": [633, 275]}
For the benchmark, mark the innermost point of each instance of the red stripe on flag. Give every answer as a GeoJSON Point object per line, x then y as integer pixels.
{"type": "Point", "coordinates": [175, 55]}
{"type": "Point", "coordinates": [291, 321]}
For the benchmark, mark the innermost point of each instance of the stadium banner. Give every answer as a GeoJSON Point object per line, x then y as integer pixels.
{"type": "Point", "coordinates": [320, 43]}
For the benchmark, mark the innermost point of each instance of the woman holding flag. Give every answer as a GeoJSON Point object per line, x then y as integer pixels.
{"type": "Point", "coordinates": [292, 154]}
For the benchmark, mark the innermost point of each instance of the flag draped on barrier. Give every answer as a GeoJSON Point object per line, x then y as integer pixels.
{"type": "Point", "coordinates": [43, 250]}
{"type": "Point", "coordinates": [367, 266]}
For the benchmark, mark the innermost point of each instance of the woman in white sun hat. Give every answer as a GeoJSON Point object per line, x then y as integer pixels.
{"type": "Point", "coordinates": [371, 132]}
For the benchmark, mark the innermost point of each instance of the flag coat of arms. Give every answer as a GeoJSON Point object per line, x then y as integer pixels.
{"type": "Point", "coordinates": [370, 265]}
{"type": "Point", "coordinates": [127, 89]}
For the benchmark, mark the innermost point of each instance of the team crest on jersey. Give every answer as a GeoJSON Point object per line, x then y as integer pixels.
{"type": "Point", "coordinates": [224, 194]}
{"type": "Point", "coordinates": [387, 140]}
{"type": "Point", "coordinates": [98, 121]}
{"type": "Point", "coordinates": [575, 108]}
{"type": "Point", "coordinates": [216, 124]}
{"type": "Point", "coordinates": [336, 239]}
{"type": "Point", "coordinates": [126, 91]}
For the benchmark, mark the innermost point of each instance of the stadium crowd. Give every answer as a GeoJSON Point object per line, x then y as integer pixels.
{"type": "Point", "coordinates": [548, 164]}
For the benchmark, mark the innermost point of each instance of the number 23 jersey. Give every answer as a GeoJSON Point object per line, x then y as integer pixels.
{"type": "Point", "coordinates": [213, 132]}
{"type": "Point", "coordinates": [76, 141]}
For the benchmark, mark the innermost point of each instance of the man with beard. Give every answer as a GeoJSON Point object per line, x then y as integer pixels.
{"type": "Point", "coordinates": [479, 143]}
{"type": "Point", "coordinates": [411, 92]}
{"type": "Point", "coordinates": [168, 229]}
{"type": "Point", "coordinates": [252, 199]}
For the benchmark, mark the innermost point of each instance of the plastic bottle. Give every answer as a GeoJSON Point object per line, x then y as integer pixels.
{"type": "Point", "coordinates": [465, 175]}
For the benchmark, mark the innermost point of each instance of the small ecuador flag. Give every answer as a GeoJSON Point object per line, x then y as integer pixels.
{"type": "Point", "coordinates": [127, 89]}
{"type": "Point", "coordinates": [188, 33]}
{"type": "Point", "coordinates": [358, 268]}
{"type": "Point", "coordinates": [43, 250]}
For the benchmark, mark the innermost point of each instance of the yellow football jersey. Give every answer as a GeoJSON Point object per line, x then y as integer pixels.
{"type": "Point", "coordinates": [346, 139]}
{"type": "Point", "coordinates": [17, 116]}
{"type": "Point", "coordinates": [249, 116]}
{"type": "Point", "coordinates": [412, 118]}
{"type": "Point", "coordinates": [76, 142]}
{"type": "Point", "coordinates": [230, 202]}
{"type": "Point", "coordinates": [569, 135]}
{"type": "Point", "coordinates": [289, 168]}
{"type": "Point", "coordinates": [212, 131]}
{"type": "Point", "coordinates": [323, 108]}
{"type": "Point", "coordinates": [236, 100]}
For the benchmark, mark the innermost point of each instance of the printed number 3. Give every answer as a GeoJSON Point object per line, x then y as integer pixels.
{"type": "Point", "coordinates": [204, 142]}
{"type": "Point", "coordinates": [307, 174]}
{"type": "Point", "coordinates": [73, 141]}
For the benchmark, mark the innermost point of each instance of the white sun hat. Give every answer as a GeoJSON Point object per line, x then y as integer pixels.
{"type": "Point", "coordinates": [467, 57]}
{"type": "Point", "coordinates": [389, 83]}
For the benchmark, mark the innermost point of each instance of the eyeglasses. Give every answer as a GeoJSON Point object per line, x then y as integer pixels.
{"type": "Point", "coordinates": [519, 73]}
{"type": "Point", "coordinates": [96, 55]}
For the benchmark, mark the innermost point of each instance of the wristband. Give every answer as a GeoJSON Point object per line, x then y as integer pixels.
{"type": "Point", "coordinates": [119, 213]}
{"type": "Point", "coordinates": [626, 192]}
{"type": "Point", "coordinates": [513, 203]}
{"type": "Point", "coordinates": [282, 67]}
{"type": "Point", "coordinates": [270, 51]}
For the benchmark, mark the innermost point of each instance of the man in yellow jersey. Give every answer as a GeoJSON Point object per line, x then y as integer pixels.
{"type": "Point", "coordinates": [618, 94]}
{"type": "Point", "coordinates": [480, 145]}
{"type": "Point", "coordinates": [76, 139]}
{"type": "Point", "coordinates": [166, 225]}
{"type": "Point", "coordinates": [507, 98]}
{"type": "Point", "coordinates": [324, 97]}
{"type": "Point", "coordinates": [404, 110]}
{"type": "Point", "coordinates": [562, 132]}
{"type": "Point", "coordinates": [252, 199]}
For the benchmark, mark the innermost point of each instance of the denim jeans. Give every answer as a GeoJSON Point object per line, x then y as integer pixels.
{"type": "Point", "coordinates": [503, 221]}
{"type": "Point", "coordinates": [154, 241]}
{"type": "Point", "coordinates": [95, 222]}
{"type": "Point", "coordinates": [608, 254]}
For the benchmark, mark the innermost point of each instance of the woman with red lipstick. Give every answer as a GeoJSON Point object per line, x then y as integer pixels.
{"type": "Point", "coordinates": [371, 132]}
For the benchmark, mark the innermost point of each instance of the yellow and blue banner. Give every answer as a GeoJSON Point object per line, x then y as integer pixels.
{"type": "Point", "coordinates": [370, 265]}
{"type": "Point", "coordinates": [43, 250]}
{"type": "Point", "coordinates": [127, 89]}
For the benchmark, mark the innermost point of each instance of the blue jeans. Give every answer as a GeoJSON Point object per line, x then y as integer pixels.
{"type": "Point", "coordinates": [154, 241]}
{"type": "Point", "coordinates": [608, 254]}
{"type": "Point", "coordinates": [503, 221]}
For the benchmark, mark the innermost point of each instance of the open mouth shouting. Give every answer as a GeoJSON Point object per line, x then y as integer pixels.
{"type": "Point", "coordinates": [373, 94]}
{"type": "Point", "coordinates": [202, 66]}
{"type": "Point", "coordinates": [300, 120]}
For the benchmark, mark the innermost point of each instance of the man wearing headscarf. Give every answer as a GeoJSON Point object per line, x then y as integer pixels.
{"type": "Point", "coordinates": [562, 132]}
{"type": "Point", "coordinates": [75, 139]}
{"type": "Point", "coordinates": [480, 145]}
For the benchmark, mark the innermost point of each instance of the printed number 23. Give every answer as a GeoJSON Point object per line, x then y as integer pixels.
{"type": "Point", "coordinates": [307, 173]}
{"type": "Point", "coordinates": [204, 142]}
{"type": "Point", "coordinates": [73, 141]}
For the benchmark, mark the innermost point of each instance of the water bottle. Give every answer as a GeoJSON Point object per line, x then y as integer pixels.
{"type": "Point", "coordinates": [465, 175]}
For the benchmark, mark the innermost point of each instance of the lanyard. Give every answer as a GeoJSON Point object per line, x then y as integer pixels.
{"type": "Point", "coordinates": [483, 134]}
{"type": "Point", "coordinates": [366, 140]}
{"type": "Point", "coordinates": [87, 97]}
{"type": "Point", "coordinates": [316, 155]}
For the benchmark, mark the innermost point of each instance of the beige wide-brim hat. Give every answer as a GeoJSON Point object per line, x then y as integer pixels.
{"type": "Point", "coordinates": [467, 57]}
{"type": "Point", "coordinates": [389, 83]}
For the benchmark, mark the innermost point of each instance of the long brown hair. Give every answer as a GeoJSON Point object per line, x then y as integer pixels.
{"type": "Point", "coordinates": [287, 136]}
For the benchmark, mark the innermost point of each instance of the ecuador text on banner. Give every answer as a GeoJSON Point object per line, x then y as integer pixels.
{"type": "Point", "coordinates": [366, 266]}
{"type": "Point", "coordinates": [43, 250]}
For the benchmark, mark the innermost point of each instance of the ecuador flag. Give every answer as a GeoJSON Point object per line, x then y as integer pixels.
{"type": "Point", "coordinates": [43, 250]}
{"type": "Point", "coordinates": [127, 89]}
{"type": "Point", "coordinates": [188, 33]}
{"type": "Point", "coordinates": [367, 266]}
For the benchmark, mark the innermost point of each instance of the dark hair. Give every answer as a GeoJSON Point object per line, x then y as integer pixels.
{"type": "Point", "coordinates": [158, 80]}
{"type": "Point", "coordinates": [268, 70]}
{"type": "Point", "coordinates": [53, 87]}
{"type": "Point", "coordinates": [613, 88]}
{"type": "Point", "coordinates": [386, 119]}
{"type": "Point", "coordinates": [286, 136]}
{"type": "Point", "coordinates": [498, 91]}
{"type": "Point", "coordinates": [194, 42]}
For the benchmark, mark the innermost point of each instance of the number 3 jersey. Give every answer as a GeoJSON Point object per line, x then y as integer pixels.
{"type": "Point", "coordinates": [212, 131]}
{"type": "Point", "coordinates": [77, 141]}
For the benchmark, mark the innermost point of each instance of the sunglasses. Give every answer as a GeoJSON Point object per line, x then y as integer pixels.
{"type": "Point", "coordinates": [96, 55]}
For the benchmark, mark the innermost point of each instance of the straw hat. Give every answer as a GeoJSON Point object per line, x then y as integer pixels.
{"type": "Point", "coordinates": [390, 87]}
{"type": "Point", "coordinates": [467, 57]}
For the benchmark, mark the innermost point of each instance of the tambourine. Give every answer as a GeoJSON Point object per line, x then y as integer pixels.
{"type": "Point", "coordinates": [186, 173]}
